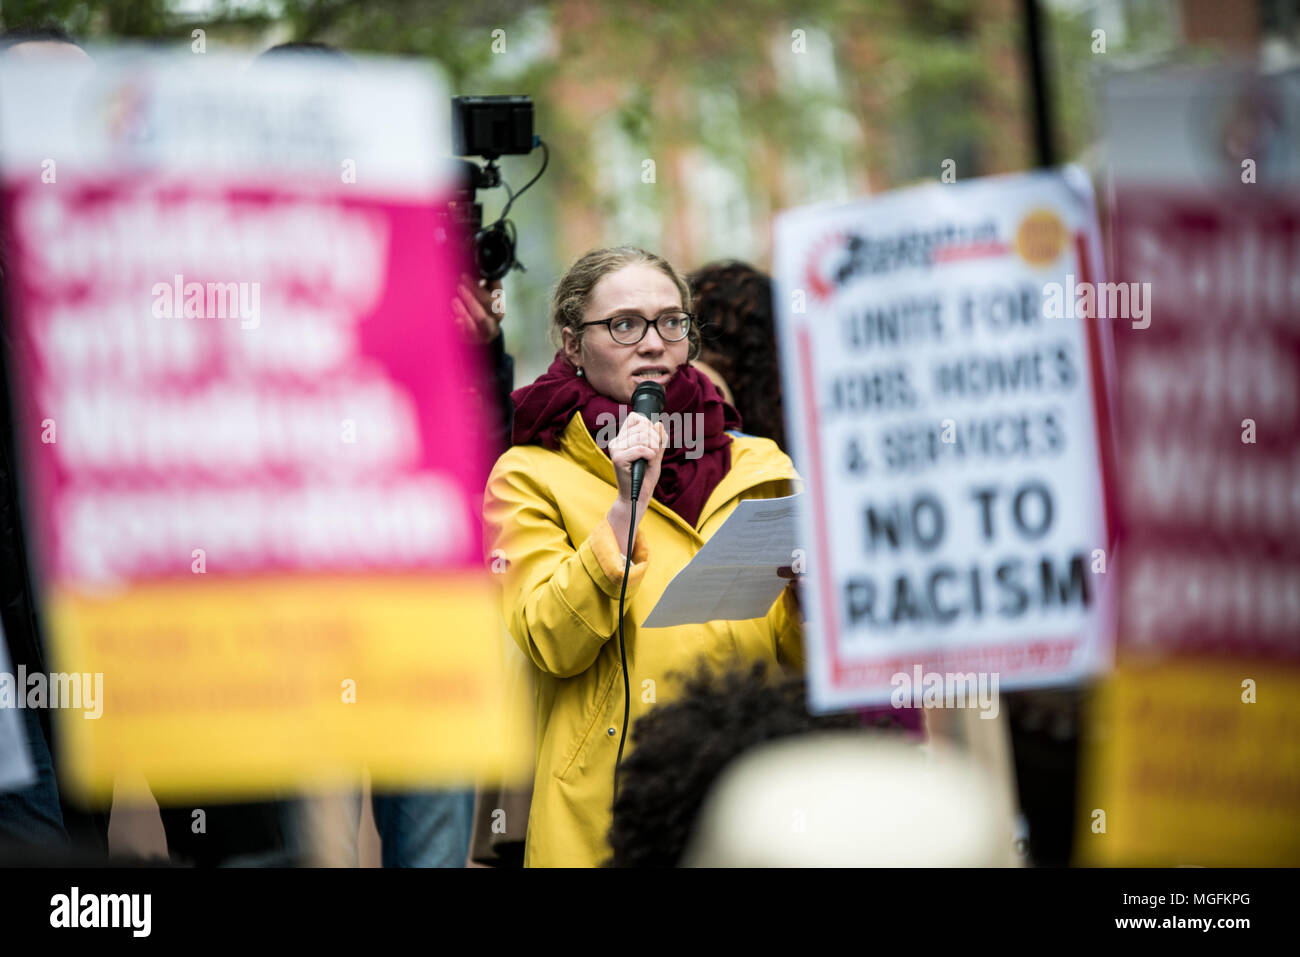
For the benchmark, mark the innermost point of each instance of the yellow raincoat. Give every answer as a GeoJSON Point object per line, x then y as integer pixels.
{"type": "Point", "coordinates": [545, 512]}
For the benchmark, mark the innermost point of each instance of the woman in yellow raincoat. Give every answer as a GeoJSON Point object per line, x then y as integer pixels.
{"type": "Point", "coordinates": [558, 508]}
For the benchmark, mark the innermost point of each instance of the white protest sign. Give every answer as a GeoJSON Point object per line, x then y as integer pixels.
{"type": "Point", "coordinates": [944, 389]}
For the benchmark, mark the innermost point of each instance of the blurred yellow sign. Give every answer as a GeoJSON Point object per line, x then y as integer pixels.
{"type": "Point", "coordinates": [233, 688]}
{"type": "Point", "coordinates": [1196, 762]}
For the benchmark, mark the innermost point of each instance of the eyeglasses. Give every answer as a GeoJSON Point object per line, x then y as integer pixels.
{"type": "Point", "coordinates": [628, 330]}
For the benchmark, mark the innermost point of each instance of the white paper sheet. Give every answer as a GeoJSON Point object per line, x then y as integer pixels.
{"type": "Point", "coordinates": [733, 577]}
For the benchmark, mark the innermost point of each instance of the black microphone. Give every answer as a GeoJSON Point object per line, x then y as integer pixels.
{"type": "Point", "coordinates": [647, 400]}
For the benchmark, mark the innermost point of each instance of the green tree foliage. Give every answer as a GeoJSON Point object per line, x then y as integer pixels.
{"type": "Point", "coordinates": [891, 89]}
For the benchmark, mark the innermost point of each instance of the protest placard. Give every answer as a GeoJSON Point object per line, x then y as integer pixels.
{"type": "Point", "coordinates": [1192, 752]}
{"type": "Point", "coordinates": [945, 388]}
{"type": "Point", "coordinates": [252, 462]}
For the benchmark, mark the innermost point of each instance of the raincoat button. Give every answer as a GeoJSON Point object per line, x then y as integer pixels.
{"type": "Point", "coordinates": [611, 732]}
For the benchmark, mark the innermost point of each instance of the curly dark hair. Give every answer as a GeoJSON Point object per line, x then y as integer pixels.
{"type": "Point", "coordinates": [682, 746]}
{"type": "Point", "coordinates": [46, 31]}
{"type": "Point", "coordinates": [307, 48]}
{"type": "Point", "coordinates": [733, 303]}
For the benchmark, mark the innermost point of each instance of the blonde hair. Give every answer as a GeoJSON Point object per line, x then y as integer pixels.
{"type": "Point", "coordinates": [573, 292]}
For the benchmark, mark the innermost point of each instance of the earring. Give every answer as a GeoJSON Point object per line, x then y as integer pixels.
{"type": "Point", "coordinates": [580, 372]}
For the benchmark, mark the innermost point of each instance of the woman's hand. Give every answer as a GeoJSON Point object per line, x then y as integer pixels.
{"type": "Point", "coordinates": [638, 439]}
{"type": "Point", "coordinates": [787, 571]}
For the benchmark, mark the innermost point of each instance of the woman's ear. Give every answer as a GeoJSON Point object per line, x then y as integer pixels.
{"type": "Point", "coordinates": [572, 348]}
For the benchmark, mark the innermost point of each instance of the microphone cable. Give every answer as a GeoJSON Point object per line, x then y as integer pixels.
{"type": "Point", "coordinates": [622, 646]}
{"type": "Point", "coordinates": [648, 399]}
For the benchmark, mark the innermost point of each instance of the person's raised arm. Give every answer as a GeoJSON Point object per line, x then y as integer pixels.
{"type": "Point", "coordinates": [478, 310]}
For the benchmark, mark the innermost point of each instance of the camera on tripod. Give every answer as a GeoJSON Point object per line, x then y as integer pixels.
{"type": "Point", "coordinates": [490, 127]}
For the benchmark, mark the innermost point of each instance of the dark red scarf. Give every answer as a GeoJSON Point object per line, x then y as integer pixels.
{"type": "Point", "coordinates": [543, 410]}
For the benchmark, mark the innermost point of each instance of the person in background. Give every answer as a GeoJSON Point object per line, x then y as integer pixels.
{"type": "Point", "coordinates": [848, 799]}
{"type": "Point", "coordinates": [478, 314]}
{"type": "Point", "coordinates": [733, 301]}
{"type": "Point", "coordinates": [36, 822]}
{"type": "Point", "coordinates": [683, 746]}
{"type": "Point", "coordinates": [40, 817]}
{"type": "Point", "coordinates": [433, 828]}
{"type": "Point", "coordinates": [737, 773]}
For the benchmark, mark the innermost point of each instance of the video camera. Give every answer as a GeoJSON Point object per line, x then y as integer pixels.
{"type": "Point", "coordinates": [490, 127]}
